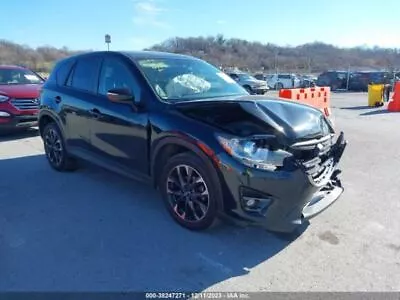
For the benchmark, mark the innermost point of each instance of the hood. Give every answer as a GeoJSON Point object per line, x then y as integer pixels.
{"type": "Point", "coordinates": [255, 82]}
{"type": "Point", "coordinates": [253, 115]}
{"type": "Point", "coordinates": [21, 90]}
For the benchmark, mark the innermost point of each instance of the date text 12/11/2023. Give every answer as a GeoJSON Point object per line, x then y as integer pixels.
{"type": "Point", "coordinates": [198, 295]}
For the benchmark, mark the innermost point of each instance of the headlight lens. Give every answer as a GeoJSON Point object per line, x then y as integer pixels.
{"type": "Point", "coordinates": [249, 153]}
{"type": "Point", "coordinates": [3, 98]}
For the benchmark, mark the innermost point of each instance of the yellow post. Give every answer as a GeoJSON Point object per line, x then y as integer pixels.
{"type": "Point", "coordinates": [375, 95]}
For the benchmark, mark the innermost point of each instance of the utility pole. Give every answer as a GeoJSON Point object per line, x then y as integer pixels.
{"type": "Point", "coordinates": [348, 78]}
{"type": "Point", "coordinates": [107, 39]}
{"type": "Point", "coordinates": [276, 62]}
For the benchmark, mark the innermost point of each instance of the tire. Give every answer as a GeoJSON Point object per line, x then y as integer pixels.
{"type": "Point", "coordinates": [278, 86]}
{"type": "Point", "coordinates": [189, 208]}
{"type": "Point", "coordinates": [55, 150]}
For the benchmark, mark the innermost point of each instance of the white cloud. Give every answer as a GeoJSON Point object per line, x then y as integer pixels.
{"type": "Point", "coordinates": [148, 7]}
{"type": "Point", "coordinates": [149, 13]}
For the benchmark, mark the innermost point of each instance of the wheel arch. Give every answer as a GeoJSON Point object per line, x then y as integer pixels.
{"type": "Point", "coordinates": [47, 117]}
{"type": "Point", "coordinates": [170, 146]}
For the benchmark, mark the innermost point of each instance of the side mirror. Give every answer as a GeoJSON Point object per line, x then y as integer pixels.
{"type": "Point", "coordinates": [123, 96]}
{"type": "Point", "coordinates": [120, 95]}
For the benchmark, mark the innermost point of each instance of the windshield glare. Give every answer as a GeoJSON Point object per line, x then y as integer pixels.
{"type": "Point", "coordinates": [177, 79]}
{"type": "Point", "coordinates": [18, 76]}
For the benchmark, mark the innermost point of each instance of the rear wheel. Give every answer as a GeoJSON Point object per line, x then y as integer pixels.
{"type": "Point", "coordinates": [190, 195]}
{"type": "Point", "coordinates": [55, 150]}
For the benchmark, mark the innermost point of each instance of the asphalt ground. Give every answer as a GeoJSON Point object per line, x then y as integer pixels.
{"type": "Point", "coordinates": [96, 231]}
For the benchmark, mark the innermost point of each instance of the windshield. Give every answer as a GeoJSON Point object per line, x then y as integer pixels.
{"type": "Point", "coordinates": [18, 76]}
{"type": "Point", "coordinates": [177, 79]}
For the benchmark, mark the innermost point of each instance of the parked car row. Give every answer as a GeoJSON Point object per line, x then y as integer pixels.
{"type": "Point", "coordinates": [336, 80]}
{"type": "Point", "coordinates": [286, 80]}
{"type": "Point", "coordinates": [354, 81]}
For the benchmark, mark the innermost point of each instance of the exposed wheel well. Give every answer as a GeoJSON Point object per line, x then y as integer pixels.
{"type": "Point", "coordinates": [162, 157]}
{"type": "Point", "coordinates": [43, 122]}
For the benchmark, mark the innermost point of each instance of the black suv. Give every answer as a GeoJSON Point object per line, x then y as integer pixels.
{"type": "Point", "coordinates": [190, 130]}
{"type": "Point", "coordinates": [336, 80]}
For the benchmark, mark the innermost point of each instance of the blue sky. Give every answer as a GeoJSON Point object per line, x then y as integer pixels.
{"type": "Point", "coordinates": [135, 24]}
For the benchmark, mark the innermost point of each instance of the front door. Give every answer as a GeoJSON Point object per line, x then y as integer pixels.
{"type": "Point", "coordinates": [118, 132]}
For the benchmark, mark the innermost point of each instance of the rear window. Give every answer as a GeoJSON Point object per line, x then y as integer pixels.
{"type": "Point", "coordinates": [63, 71]}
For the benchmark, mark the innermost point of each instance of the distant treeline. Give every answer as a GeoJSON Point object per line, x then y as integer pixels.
{"type": "Point", "coordinates": [253, 56]}
{"type": "Point", "coordinates": [40, 59]}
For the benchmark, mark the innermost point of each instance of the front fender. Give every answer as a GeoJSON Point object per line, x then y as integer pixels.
{"type": "Point", "coordinates": [183, 140]}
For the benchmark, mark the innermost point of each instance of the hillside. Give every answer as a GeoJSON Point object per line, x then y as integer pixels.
{"type": "Point", "coordinates": [254, 56]}
{"type": "Point", "coordinates": [40, 59]}
{"type": "Point", "coordinates": [313, 57]}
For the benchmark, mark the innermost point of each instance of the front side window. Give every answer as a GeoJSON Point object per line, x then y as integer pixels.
{"type": "Point", "coordinates": [182, 79]}
{"type": "Point", "coordinates": [115, 75]}
{"type": "Point", "coordinates": [18, 76]}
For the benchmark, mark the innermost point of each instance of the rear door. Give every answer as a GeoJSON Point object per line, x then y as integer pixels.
{"type": "Point", "coordinates": [118, 132]}
{"type": "Point", "coordinates": [77, 99]}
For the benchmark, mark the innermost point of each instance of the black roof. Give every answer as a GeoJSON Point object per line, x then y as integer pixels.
{"type": "Point", "coordinates": [153, 54]}
{"type": "Point", "coordinates": [135, 55]}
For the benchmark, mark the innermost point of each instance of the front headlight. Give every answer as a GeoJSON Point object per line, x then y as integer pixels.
{"type": "Point", "coordinates": [3, 98]}
{"type": "Point", "coordinates": [254, 153]}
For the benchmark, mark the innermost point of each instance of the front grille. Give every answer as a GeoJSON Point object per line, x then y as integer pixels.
{"type": "Point", "coordinates": [24, 104]}
{"type": "Point", "coordinates": [315, 156]}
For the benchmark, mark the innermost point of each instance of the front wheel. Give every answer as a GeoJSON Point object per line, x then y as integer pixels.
{"type": "Point", "coordinates": [190, 195]}
{"type": "Point", "coordinates": [54, 148]}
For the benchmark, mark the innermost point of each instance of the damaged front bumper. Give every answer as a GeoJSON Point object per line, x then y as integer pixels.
{"type": "Point", "coordinates": [282, 200]}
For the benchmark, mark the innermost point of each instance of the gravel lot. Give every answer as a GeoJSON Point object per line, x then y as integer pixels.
{"type": "Point", "coordinates": [92, 230]}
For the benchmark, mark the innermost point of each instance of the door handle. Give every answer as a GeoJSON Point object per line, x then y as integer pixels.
{"type": "Point", "coordinates": [58, 99]}
{"type": "Point", "coordinates": [95, 113]}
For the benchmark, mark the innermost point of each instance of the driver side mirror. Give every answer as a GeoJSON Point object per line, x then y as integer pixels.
{"type": "Point", "coordinates": [119, 95]}
{"type": "Point", "coordinates": [122, 95]}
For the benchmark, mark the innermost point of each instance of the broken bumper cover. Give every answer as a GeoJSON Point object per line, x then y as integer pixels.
{"type": "Point", "coordinates": [281, 200]}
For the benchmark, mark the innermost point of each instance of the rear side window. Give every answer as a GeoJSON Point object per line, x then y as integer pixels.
{"type": "Point", "coordinates": [85, 74]}
{"type": "Point", "coordinates": [285, 77]}
{"type": "Point", "coordinates": [63, 71]}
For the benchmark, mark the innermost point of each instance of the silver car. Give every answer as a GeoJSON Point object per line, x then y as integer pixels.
{"type": "Point", "coordinates": [250, 83]}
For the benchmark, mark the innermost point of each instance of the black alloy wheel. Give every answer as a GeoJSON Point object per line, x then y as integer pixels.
{"type": "Point", "coordinates": [191, 196]}
{"type": "Point", "coordinates": [188, 193]}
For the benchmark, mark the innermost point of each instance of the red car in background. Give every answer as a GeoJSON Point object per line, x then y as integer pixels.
{"type": "Point", "coordinates": [19, 97]}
